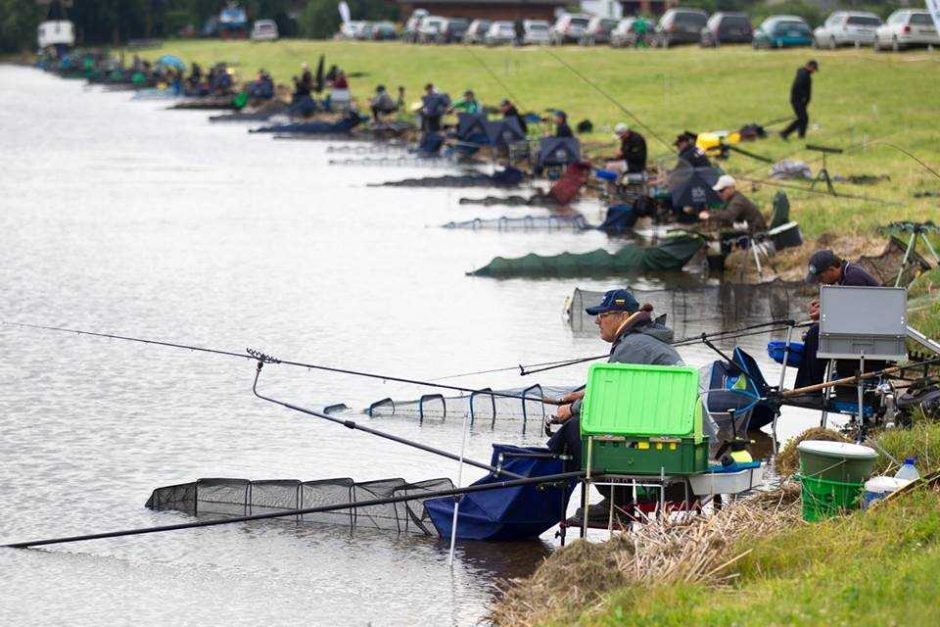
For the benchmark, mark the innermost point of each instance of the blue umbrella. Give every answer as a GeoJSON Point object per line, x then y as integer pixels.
{"type": "Point", "coordinates": [171, 61]}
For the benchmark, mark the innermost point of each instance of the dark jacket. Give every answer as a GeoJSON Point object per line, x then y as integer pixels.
{"type": "Point", "coordinates": [633, 151]}
{"type": "Point", "coordinates": [802, 88]}
{"type": "Point", "coordinates": [740, 209]}
{"type": "Point", "coordinates": [693, 156]}
{"type": "Point", "coordinates": [646, 342]}
{"type": "Point", "coordinates": [854, 275]}
{"type": "Point", "coordinates": [513, 112]}
{"type": "Point", "coordinates": [563, 130]}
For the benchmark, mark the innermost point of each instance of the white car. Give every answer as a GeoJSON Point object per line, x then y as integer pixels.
{"type": "Point", "coordinates": [430, 29]}
{"type": "Point", "coordinates": [264, 30]}
{"type": "Point", "coordinates": [500, 33]}
{"type": "Point", "coordinates": [847, 28]}
{"type": "Point", "coordinates": [351, 30]}
{"type": "Point", "coordinates": [568, 28]}
{"type": "Point", "coordinates": [536, 32]}
{"type": "Point", "coordinates": [907, 28]}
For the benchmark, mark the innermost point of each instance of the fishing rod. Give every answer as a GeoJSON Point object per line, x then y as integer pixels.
{"type": "Point", "coordinates": [501, 485]}
{"type": "Point", "coordinates": [856, 378]}
{"type": "Point", "coordinates": [350, 424]}
{"type": "Point", "coordinates": [493, 75]}
{"type": "Point", "coordinates": [898, 148]}
{"type": "Point", "coordinates": [597, 88]}
{"type": "Point", "coordinates": [253, 355]}
{"type": "Point", "coordinates": [810, 190]}
{"type": "Point", "coordinates": [757, 329]}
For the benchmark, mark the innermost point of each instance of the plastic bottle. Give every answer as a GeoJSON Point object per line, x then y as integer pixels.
{"type": "Point", "coordinates": [907, 470]}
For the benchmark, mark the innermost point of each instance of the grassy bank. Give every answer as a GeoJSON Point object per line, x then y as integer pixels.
{"type": "Point", "coordinates": [858, 96]}
{"type": "Point", "coordinates": [924, 304]}
{"type": "Point", "coordinates": [869, 568]}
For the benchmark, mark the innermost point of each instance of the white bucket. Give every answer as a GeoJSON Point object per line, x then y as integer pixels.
{"type": "Point", "coordinates": [878, 488]}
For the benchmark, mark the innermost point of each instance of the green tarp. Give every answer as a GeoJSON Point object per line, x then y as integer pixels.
{"type": "Point", "coordinates": [671, 254]}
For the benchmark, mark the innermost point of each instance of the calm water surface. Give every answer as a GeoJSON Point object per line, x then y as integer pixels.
{"type": "Point", "coordinates": [124, 218]}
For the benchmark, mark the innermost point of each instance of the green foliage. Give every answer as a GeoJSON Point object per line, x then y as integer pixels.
{"type": "Point", "coordinates": [18, 22]}
{"type": "Point", "coordinates": [809, 11]}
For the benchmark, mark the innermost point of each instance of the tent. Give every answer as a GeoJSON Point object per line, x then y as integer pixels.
{"type": "Point", "coordinates": [504, 132]}
{"type": "Point", "coordinates": [558, 151]}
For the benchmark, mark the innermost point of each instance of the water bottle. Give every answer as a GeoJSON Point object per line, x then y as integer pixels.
{"type": "Point", "coordinates": [907, 471]}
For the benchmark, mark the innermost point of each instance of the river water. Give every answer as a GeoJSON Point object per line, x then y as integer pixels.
{"type": "Point", "coordinates": [124, 218]}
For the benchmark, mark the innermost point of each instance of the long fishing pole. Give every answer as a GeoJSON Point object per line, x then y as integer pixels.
{"type": "Point", "coordinates": [253, 355]}
{"type": "Point", "coordinates": [857, 378]}
{"type": "Point", "coordinates": [350, 424]}
{"type": "Point", "coordinates": [513, 483]}
{"type": "Point", "coordinates": [898, 148]}
{"type": "Point", "coordinates": [823, 192]}
{"type": "Point", "coordinates": [757, 329]}
{"type": "Point", "coordinates": [613, 100]}
{"type": "Point", "coordinates": [493, 75]}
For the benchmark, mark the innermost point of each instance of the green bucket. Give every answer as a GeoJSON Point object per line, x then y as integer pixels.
{"type": "Point", "coordinates": [836, 461]}
{"type": "Point", "coordinates": [824, 498]}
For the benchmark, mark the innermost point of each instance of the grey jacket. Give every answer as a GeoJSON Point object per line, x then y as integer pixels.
{"type": "Point", "coordinates": [646, 343]}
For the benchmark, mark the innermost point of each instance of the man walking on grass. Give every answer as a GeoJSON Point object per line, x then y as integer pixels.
{"type": "Point", "coordinates": [800, 93]}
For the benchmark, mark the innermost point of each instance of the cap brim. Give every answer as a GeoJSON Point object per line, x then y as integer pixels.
{"type": "Point", "coordinates": [716, 188]}
{"type": "Point", "coordinates": [593, 311]}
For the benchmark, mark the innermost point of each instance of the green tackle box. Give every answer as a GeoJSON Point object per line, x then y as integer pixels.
{"type": "Point", "coordinates": [643, 420]}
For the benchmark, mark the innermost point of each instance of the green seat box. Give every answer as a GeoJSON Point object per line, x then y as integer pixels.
{"type": "Point", "coordinates": [643, 420]}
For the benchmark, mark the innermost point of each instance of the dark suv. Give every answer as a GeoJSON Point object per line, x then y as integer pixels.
{"type": "Point", "coordinates": [727, 28]}
{"type": "Point", "coordinates": [680, 26]}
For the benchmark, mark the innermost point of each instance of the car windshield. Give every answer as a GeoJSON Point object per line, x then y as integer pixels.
{"type": "Point", "coordinates": [735, 21]}
{"type": "Point", "coordinates": [790, 25]}
{"type": "Point", "coordinates": [579, 21]}
{"type": "Point", "coordinates": [921, 19]}
{"type": "Point", "coordinates": [690, 19]}
{"type": "Point", "coordinates": [538, 27]}
{"type": "Point", "coordinates": [862, 20]}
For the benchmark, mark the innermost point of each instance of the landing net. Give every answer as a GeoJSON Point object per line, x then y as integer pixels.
{"type": "Point", "coordinates": [484, 408]}
{"type": "Point", "coordinates": [708, 308]}
{"type": "Point", "coordinates": [243, 497]}
{"type": "Point", "coordinates": [402, 161]}
{"type": "Point", "coordinates": [525, 223]}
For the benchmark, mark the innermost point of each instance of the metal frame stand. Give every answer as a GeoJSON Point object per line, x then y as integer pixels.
{"type": "Point", "coordinates": [823, 177]}
{"type": "Point", "coordinates": [911, 246]}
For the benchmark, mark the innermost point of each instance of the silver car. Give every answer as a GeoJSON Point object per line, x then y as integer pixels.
{"type": "Point", "coordinates": [535, 32]}
{"type": "Point", "coordinates": [500, 33]}
{"type": "Point", "coordinates": [847, 28]}
{"type": "Point", "coordinates": [907, 28]}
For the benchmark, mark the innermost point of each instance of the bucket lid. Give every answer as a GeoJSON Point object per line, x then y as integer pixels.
{"type": "Point", "coordinates": [840, 450]}
{"type": "Point", "coordinates": [882, 484]}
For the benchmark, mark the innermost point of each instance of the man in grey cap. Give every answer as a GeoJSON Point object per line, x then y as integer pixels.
{"type": "Point", "coordinates": [737, 207]}
{"type": "Point", "coordinates": [635, 338]}
{"type": "Point", "coordinates": [827, 268]}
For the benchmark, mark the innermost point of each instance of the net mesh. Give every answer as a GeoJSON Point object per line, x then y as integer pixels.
{"type": "Point", "coordinates": [243, 497]}
{"type": "Point", "coordinates": [524, 223]}
{"type": "Point", "coordinates": [512, 408]}
{"type": "Point", "coordinates": [690, 310]}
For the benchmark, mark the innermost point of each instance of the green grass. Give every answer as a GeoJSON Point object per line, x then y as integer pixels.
{"type": "Point", "coordinates": [875, 568]}
{"type": "Point", "coordinates": [858, 96]}
{"type": "Point", "coordinates": [924, 304]}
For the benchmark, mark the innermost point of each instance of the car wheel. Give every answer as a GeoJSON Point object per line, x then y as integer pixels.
{"type": "Point", "coordinates": [895, 46]}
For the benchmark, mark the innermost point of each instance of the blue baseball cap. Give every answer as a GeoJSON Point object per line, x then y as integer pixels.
{"type": "Point", "coordinates": [615, 300]}
{"type": "Point", "coordinates": [820, 261]}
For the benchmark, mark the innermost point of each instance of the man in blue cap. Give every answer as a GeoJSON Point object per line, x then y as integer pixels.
{"type": "Point", "coordinates": [827, 268]}
{"type": "Point", "coordinates": [635, 338]}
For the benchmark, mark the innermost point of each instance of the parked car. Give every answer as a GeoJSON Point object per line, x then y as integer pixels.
{"type": "Point", "coordinates": [453, 30]}
{"type": "Point", "coordinates": [409, 34]}
{"type": "Point", "coordinates": [680, 26]}
{"type": "Point", "coordinates": [430, 29]}
{"type": "Point", "coordinates": [727, 28]}
{"type": "Point", "coordinates": [500, 33]}
{"type": "Point", "coordinates": [535, 32]}
{"type": "Point", "coordinates": [782, 31]}
{"type": "Point", "coordinates": [352, 30]}
{"type": "Point", "coordinates": [847, 28]}
{"type": "Point", "coordinates": [264, 30]}
{"type": "Point", "coordinates": [631, 31]}
{"type": "Point", "coordinates": [907, 28]}
{"type": "Point", "coordinates": [476, 31]}
{"type": "Point", "coordinates": [568, 28]}
{"type": "Point", "coordinates": [597, 31]}
{"type": "Point", "coordinates": [380, 31]}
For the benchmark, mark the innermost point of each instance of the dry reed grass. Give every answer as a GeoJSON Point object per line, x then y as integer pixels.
{"type": "Point", "coordinates": [788, 461]}
{"type": "Point", "coordinates": [699, 549]}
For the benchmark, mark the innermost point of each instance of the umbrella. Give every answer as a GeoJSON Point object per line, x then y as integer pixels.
{"type": "Point", "coordinates": [692, 187]}
{"type": "Point", "coordinates": [171, 61]}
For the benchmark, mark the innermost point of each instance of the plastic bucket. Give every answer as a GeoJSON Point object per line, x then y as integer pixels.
{"type": "Point", "coordinates": [878, 488]}
{"type": "Point", "coordinates": [824, 499]}
{"type": "Point", "coordinates": [836, 461]}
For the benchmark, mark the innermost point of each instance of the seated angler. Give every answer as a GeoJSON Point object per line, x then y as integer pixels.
{"type": "Point", "coordinates": [635, 338]}
{"type": "Point", "coordinates": [467, 104]}
{"type": "Point", "coordinates": [826, 268]}
{"type": "Point", "coordinates": [382, 103]}
{"type": "Point", "coordinates": [736, 210]}
{"type": "Point", "coordinates": [631, 157]}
